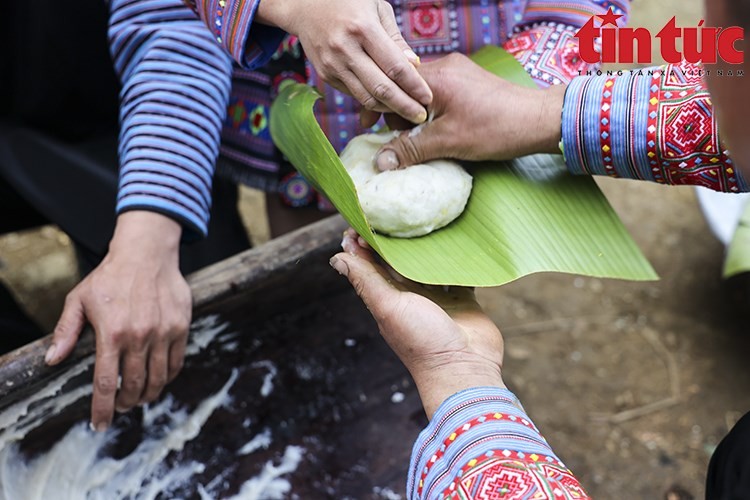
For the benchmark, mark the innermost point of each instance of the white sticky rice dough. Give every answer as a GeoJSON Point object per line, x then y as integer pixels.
{"type": "Point", "coordinates": [409, 202]}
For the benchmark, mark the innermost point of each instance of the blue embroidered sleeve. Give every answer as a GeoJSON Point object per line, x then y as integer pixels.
{"type": "Point", "coordinates": [481, 444]}
{"type": "Point", "coordinates": [654, 124]}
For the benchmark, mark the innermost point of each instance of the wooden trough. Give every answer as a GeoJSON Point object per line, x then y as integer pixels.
{"type": "Point", "coordinates": [293, 323]}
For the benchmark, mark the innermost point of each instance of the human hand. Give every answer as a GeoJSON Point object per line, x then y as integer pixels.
{"type": "Point", "coordinates": [443, 338]}
{"type": "Point", "coordinates": [357, 48]}
{"type": "Point", "coordinates": [476, 115]}
{"type": "Point", "coordinates": [139, 306]}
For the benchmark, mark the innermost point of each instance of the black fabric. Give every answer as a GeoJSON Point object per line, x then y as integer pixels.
{"type": "Point", "coordinates": [16, 328]}
{"type": "Point", "coordinates": [56, 73]}
{"type": "Point", "coordinates": [73, 185]}
{"type": "Point", "coordinates": [729, 469]}
{"type": "Point", "coordinates": [15, 213]}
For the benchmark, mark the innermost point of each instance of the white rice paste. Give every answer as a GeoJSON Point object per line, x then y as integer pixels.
{"type": "Point", "coordinates": [408, 202]}
{"type": "Point", "coordinates": [75, 467]}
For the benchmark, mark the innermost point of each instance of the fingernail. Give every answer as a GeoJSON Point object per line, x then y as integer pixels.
{"type": "Point", "coordinates": [101, 427]}
{"type": "Point", "coordinates": [340, 266]}
{"type": "Point", "coordinates": [387, 160]}
{"type": "Point", "coordinates": [50, 355]}
{"type": "Point", "coordinates": [412, 57]}
{"type": "Point", "coordinates": [421, 116]}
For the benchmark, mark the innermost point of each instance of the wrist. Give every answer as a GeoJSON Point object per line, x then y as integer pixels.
{"type": "Point", "coordinates": [275, 13]}
{"type": "Point", "coordinates": [140, 232]}
{"type": "Point", "coordinates": [549, 124]}
{"type": "Point", "coordinates": [441, 380]}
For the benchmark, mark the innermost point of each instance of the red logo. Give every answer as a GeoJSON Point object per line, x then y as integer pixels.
{"type": "Point", "coordinates": [619, 45]}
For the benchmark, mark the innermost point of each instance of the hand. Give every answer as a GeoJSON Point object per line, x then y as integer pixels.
{"type": "Point", "coordinates": [140, 306]}
{"type": "Point", "coordinates": [356, 47]}
{"type": "Point", "coordinates": [478, 116]}
{"type": "Point", "coordinates": [443, 338]}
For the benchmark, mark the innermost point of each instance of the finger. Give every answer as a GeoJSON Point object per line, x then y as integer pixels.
{"type": "Point", "coordinates": [176, 358]}
{"type": "Point", "coordinates": [158, 371]}
{"type": "Point", "coordinates": [67, 330]}
{"type": "Point", "coordinates": [382, 89]}
{"type": "Point", "coordinates": [426, 142]}
{"type": "Point", "coordinates": [349, 83]}
{"type": "Point", "coordinates": [134, 375]}
{"type": "Point", "coordinates": [368, 118]}
{"type": "Point", "coordinates": [106, 369]}
{"type": "Point", "coordinates": [400, 65]}
{"type": "Point", "coordinates": [356, 245]}
{"type": "Point", "coordinates": [368, 281]}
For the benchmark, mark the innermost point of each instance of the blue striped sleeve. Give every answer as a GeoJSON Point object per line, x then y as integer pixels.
{"type": "Point", "coordinates": [481, 442]}
{"type": "Point", "coordinates": [176, 81]}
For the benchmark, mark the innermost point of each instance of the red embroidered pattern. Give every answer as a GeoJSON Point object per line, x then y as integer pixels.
{"type": "Point", "coordinates": [457, 432]}
{"type": "Point", "coordinates": [509, 475]}
{"type": "Point", "coordinates": [548, 51]}
{"type": "Point", "coordinates": [689, 148]}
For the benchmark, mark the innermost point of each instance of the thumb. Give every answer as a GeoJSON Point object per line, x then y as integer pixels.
{"type": "Point", "coordinates": [67, 330]}
{"type": "Point", "coordinates": [369, 283]}
{"type": "Point", "coordinates": [423, 143]}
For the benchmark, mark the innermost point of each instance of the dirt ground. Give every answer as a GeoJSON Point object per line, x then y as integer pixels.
{"type": "Point", "coordinates": [633, 384]}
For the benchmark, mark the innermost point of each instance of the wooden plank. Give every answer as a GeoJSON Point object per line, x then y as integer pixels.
{"type": "Point", "coordinates": [286, 271]}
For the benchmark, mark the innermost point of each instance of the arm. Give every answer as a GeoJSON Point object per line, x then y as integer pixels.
{"type": "Point", "coordinates": [658, 127]}
{"type": "Point", "coordinates": [479, 436]}
{"type": "Point", "coordinates": [176, 82]}
{"type": "Point", "coordinates": [481, 439]}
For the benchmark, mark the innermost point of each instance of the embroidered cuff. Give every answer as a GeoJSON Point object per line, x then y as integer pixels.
{"type": "Point", "coordinates": [231, 23]}
{"type": "Point", "coordinates": [483, 422]}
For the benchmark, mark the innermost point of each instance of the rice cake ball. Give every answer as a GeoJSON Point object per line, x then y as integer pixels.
{"type": "Point", "coordinates": [409, 202]}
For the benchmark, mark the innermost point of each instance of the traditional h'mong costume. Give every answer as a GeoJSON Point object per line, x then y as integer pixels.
{"type": "Point", "coordinates": [657, 127]}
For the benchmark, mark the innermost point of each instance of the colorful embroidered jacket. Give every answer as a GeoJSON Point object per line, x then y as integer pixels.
{"type": "Point", "coordinates": [481, 445]}
{"type": "Point", "coordinates": [176, 82]}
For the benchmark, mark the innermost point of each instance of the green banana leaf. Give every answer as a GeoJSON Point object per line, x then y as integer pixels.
{"type": "Point", "coordinates": [516, 222]}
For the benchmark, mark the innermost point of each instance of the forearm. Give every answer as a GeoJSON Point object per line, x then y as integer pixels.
{"type": "Point", "coordinates": [654, 124]}
{"type": "Point", "coordinates": [437, 382]}
{"type": "Point", "coordinates": [144, 232]}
